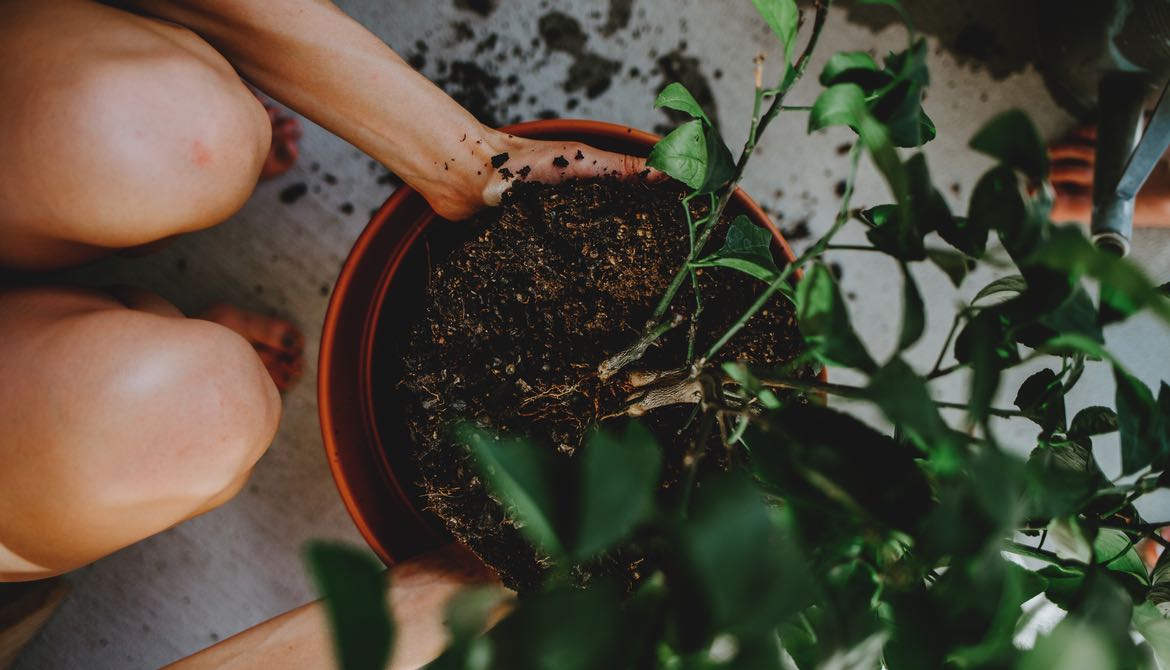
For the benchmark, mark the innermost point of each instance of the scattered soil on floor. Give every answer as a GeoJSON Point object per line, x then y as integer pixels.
{"type": "Point", "coordinates": [687, 70]}
{"type": "Point", "coordinates": [558, 279]}
{"type": "Point", "coordinates": [1065, 41]}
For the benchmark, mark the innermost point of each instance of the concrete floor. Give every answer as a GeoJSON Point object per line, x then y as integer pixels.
{"type": "Point", "coordinates": [185, 589]}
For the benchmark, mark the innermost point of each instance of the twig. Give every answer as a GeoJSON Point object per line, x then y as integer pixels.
{"type": "Point", "coordinates": [758, 125]}
{"type": "Point", "coordinates": [610, 366]}
{"type": "Point", "coordinates": [935, 372]}
{"type": "Point", "coordinates": [812, 252]}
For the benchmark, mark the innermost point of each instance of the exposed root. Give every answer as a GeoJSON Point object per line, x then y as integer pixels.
{"type": "Point", "coordinates": [682, 392]}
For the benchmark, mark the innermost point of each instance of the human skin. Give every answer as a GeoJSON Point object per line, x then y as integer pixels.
{"type": "Point", "coordinates": [120, 416]}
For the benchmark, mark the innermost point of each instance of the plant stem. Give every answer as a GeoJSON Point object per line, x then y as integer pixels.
{"type": "Point", "coordinates": [758, 125]}
{"type": "Point", "coordinates": [939, 374]}
{"type": "Point", "coordinates": [935, 371]}
{"type": "Point", "coordinates": [693, 329]}
{"type": "Point", "coordinates": [612, 365]}
{"type": "Point", "coordinates": [991, 411]}
{"type": "Point", "coordinates": [813, 386]}
{"type": "Point", "coordinates": [810, 253]}
{"type": "Point", "coordinates": [1042, 554]}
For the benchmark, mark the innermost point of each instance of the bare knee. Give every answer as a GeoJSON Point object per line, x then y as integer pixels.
{"type": "Point", "coordinates": [139, 422]}
{"type": "Point", "coordinates": [214, 401]}
{"type": "Point", "coordinates": [151, 134]}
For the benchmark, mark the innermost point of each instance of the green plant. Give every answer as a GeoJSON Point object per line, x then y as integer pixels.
{"type": "Point", "coordinates": [830, 543]}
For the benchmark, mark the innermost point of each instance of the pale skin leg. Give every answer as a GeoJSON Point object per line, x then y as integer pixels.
{"type": "Point", "coordinates": [125, 422]}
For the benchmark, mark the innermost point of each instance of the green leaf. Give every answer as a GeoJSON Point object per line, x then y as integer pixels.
{"type": "Point", "coordinates": [1095, 420]}
{"type": "Point", "coordinates": [1075, 343]}
{"type": "Point", "coordinates": [921, 210]}
{"type": "Point", "coordinates": [845, 66]}
{"type": "Point", "coordinates": [996, 204]}
{"type": "Point", "coordinates": [676, 96]}
{"type": "Point", "coordinates": [829, 459]}
{"type": "Point", "coordinates": [1076, 315]}
{"type": "Point", "coordinates": [565, 628]}
{"type": "Point", "coordinates": [839, 105]}
{"type": "Point", "coordinates": [720, 164]}
{"type": "Point", "coordinates": [729, 525]}
{"type": "Point", "coordinates": [467, 615]}
{"type": "Point", "coordinates": [1013, 284]}
{"type": "Point", "coordinates": [899, 109]}
{"type": "Point", "coordinates": [1155, 628]}
{"type": "Point", "coordinates": [1064, 584]}
{"type": "Point", "coordinates": [1159, 594]}
{"type": "Point", "coordinates": [1069, 251]}
{"type": "Point", "coordinates": [1013, 140]}
{"type": "Point", "coordinates": [1072, 645]}
{"type": "Point", "coordinates": [1122, 555]}
{"type": "Point", "coordinates": [1066, 477]}
{"type": "Point", "coordinates": [1041, 399]}
{"type": "Point", "coordinates": [904, 398]}
{"type": "Point", "coordinates": [956, 266]}
{"type": "Point", "coordinates": [1139, 422]}
{"type": "Point", "coordinates": [352, 585]}
{"type": "Point", "coordinates": [682, 154]}
{"type": "Point", "coordinates": [783, 18]}
{"type": "Point", "coordinates": [988, 356]}
{"type": "Point", "coordinates": [744, 377]}
{"type": "Point", "coordinates": [619, 478]}
{"type": "Point", "coordinates": [824, 321]}
{"type": "Point", "coordinates": [913, 312]}
{"type": "Point", "coordinates": [748, 248]}
{"type": "Point", "coordinates": [528, 483]}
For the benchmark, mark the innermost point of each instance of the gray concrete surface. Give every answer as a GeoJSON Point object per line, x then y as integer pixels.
{"type": "Point", "coordinates": [239, 565]}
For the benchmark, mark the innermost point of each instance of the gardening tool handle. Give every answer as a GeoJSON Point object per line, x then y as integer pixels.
{"type": "Point", "coordinates": [1122, 97]}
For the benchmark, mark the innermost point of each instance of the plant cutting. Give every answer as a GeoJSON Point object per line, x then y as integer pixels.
{"type": "Point", "coordinates": [687, 499]}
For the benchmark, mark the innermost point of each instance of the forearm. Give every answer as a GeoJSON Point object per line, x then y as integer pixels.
{"type": "Point", "coordinates": [314, 58]}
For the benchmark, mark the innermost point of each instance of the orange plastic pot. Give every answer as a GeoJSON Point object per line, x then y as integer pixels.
{"type": "Point", "coordinates": [378, 295]}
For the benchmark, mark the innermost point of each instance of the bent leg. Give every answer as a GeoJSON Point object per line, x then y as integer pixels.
{"type": "Point", "coordinates": [118, 131]}
{"type": "Point", "coordinates": [119, 423]}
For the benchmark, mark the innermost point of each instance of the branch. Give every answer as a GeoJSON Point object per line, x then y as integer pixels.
{"type": "Point", "coordinates": [758, 126]}
{"type": "Point", "coordinates": [610, 366]}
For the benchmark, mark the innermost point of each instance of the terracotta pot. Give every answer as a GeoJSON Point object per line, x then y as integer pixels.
{"type": "Point", "coordinates": [378, 295]}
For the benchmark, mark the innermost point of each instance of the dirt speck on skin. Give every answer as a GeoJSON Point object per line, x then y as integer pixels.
{"type": "Point", "coordinates": [589, 72]}
{"type": "Point", "coordinates": [677, 66]}
{"type": "Point", "coordinates": [517, 318]}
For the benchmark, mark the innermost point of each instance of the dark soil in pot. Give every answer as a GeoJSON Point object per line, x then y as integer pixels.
{"type": "Point", "coordinates": [550, 284]}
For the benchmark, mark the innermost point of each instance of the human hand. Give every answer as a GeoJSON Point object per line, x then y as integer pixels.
{"type": "Point", "coordinates": [502, 161]}
{"type": "Point", "coordinates": [1073, 159]}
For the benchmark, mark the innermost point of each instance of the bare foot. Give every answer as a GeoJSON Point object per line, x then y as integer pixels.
{"type": "Point", "coordinates": [1072, 178]}
{"type": "Point", "coordinates": [280, 345]}
{"type": "Point", "coordinates": [286, 131]}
